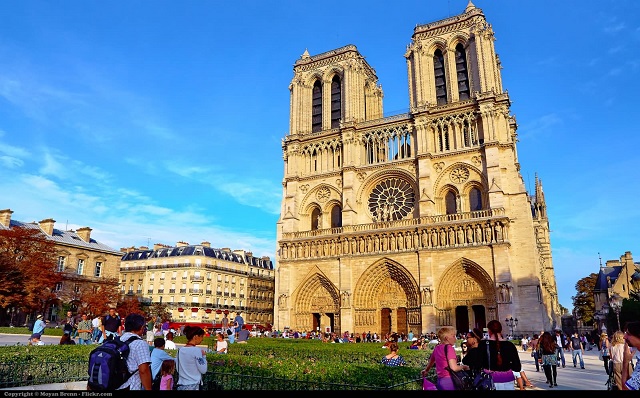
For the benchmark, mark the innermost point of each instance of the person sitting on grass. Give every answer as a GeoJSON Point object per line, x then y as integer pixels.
{"type": "Point", "coordinates": [221, 344]}
{"type": "Point", "coordinates": [393, 358]}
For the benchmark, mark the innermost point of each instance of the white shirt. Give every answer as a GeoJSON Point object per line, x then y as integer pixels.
{"type": "Point", "coordinates": [169, 345]}
{"type": "Point", "coordinates": [220, 345]}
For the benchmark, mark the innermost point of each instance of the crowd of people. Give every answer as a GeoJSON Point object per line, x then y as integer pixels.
{"type": "Point", "coordinates": [478, 351]}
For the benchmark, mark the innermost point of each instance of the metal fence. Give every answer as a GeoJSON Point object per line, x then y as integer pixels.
{"type": "Point", "coordinates": [20, 374]}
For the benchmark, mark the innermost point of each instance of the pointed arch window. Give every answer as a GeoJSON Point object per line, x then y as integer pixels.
{"type": "Point", "coordinates": [475, 200]}
{"type": "Point", "coordinates": [336, 217]}
{"type": "Point", "coordinates": [441, 82]}
{"type": "Point", "coordinates": [462, 73]}
{"type": "Point", "coordinates": [316, 107]}
{"type": "Point", "coordinates": [336, 102]}
{"type": "Point", "coordinates": [450, 202]}
{"type": "Point", "coordinates": [316, 219]}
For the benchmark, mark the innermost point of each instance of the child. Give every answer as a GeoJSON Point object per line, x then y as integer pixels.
{"type": "Point", "coordinates": [167, 370]}
{"type": "Point", "coordinates": [221, 344]}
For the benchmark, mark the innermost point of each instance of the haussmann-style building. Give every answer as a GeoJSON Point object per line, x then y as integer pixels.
{"type": "Point", "coordinates": [418, 220]}
{"type": "Point", "coordinates": [199, 284]}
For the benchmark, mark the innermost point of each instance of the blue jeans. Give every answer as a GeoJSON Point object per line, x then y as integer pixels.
{"type": "Point", "coordinates": [82, 341]}
{"type": "Point", "coordinates": [577, 353]}
{"type": "Point", "coordinates": [560, 353]}
{"type": "Point", "coordinates": [535, 359]}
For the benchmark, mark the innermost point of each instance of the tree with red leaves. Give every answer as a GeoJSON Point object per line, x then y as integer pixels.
{"type": "Point", "coordinates": [27, 269]}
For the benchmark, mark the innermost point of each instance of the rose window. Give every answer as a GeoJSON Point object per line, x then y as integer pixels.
{"type": "Point", "coordinates": [391, 200]}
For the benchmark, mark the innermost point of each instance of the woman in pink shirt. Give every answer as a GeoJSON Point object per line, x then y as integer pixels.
{"type": "Point", "coordinates": [446, 337]}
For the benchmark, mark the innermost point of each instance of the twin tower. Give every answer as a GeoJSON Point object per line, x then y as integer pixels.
{"type": "Point", "coordinates": [414, 221]}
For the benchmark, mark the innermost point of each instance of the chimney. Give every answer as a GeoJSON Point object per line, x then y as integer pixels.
{"type": "Point", "coordinates": [181, 244]}
{"type": "Point", "coordinates": [47, 226]}
{"type": "Point", "coordinates": [206, 244]}
{"type": "Point", "coordinates": [143, 248]}
{"type": "Point", "coordinates": [85, 234]}
{"type": "Point", "coordinates": [157, 246]}
{"type": "Point", "coordinates": [127, 249]}
{"type": "Point", "coordinates": [266, 258]}
{"type": "Point", "coordinates": [226, 249]}
{"type": "Point", "coordinates": [239, 252]}
{"type": "Point", "coordinates": [5, 217]}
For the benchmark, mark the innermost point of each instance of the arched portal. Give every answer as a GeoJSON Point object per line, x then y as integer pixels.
{"type": "Point", "coordinates": [386, 299]}
{"type": "Point", "coordinates": [317, 305]}
{"type": "Point", "coordinates": [466, 297]}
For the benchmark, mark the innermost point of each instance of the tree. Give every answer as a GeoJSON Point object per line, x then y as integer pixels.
{"type": "Point", "coordinates": [583, 302]}
{"type": "Point", "coordinates": [129, 305]}
{"type": "Point", "coordinates": [27, 269]}
{"type": "Point", "coordinates": [96, 299]}
{"type": "Point", "coordinates": [160, 310]}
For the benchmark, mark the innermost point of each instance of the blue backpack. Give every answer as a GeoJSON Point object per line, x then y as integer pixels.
{"type": "Point", "coordinates": [108, 364]}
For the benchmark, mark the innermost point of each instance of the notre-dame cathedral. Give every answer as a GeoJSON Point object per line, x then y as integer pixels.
{"type": "Point", "coordinates": [418, 220]}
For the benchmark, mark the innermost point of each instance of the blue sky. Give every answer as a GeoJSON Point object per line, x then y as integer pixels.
{"type": "Point", "coordinates": [161, 121]}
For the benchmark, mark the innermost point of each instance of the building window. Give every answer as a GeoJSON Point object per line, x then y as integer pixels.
{"type": "Point", "coordinates": [462, 73]}
{"type": "Point", "coordinates": [336, 102]}
{"type": "Point", "coordinates": [441, 82]}
{"type": "Point", "coordinates": [60, 266]}
{"type": "Point", "coordinates": [58, 286]}
{"type": "Point", "coordinates": [98, 270]}
{"type": "Point", "coordinates": [80, 266]}
{"type": "Point", "coordinates": [316, 107]}
{"type": "Point", "coordinates": [76, 288]}
{"type": "Point", "coordinates": [336, 217]}
{"type": "Point", "coordinates": [450, 200]}
{"type": "Point", "coordinates": [475, 199]}
{"type": "Point", "coordinates": [316, 219]}
{"type": "Point", "coordinates": [390, 200]}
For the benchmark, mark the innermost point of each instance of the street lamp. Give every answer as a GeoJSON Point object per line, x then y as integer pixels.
{"type": "Point", "coordinates": [616, 305]}
{"type": "Point", "coordinates": [512, 323]}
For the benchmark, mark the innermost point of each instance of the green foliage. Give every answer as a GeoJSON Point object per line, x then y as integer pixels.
{"type": "Point", "coordinates": [262, 363]}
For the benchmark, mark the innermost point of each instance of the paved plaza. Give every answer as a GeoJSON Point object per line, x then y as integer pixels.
{"type": "Point", "coordinates": [593, 377]}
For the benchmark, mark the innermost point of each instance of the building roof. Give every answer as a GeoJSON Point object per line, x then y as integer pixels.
{"type": "Point", "coordinates": [197, 250]}
{"type": "Point", "coordinates": [65, 237]}
{"type": "Point", "coordinates": [606, 274]}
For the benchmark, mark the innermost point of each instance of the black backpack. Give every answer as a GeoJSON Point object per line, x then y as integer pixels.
{"type": "Point", "coordinates": [108, 364]}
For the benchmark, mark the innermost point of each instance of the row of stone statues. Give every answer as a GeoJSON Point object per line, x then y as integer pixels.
{"type": "Point", "coordinates": [454, 236]}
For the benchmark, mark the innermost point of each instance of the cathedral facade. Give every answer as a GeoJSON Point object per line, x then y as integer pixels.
{"type": "Point", "coordinates": [418, 220]}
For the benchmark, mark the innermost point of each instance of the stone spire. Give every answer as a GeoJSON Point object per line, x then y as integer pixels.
{"type": "Point", "coordinates": [470, 7]}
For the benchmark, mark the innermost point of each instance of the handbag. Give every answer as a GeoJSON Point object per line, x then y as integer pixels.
{"type": "Point", "coordinates": [600, 355]}
{"type": "Point", "coordinates": [461, 379]}
{"type": "Point", "coordinates": [483, 380]}
{"type": "Point", "coordinates": [428, 385]}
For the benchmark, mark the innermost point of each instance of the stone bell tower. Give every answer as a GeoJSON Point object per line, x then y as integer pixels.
{"type": "Point", "coordinates": [417, 220]}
